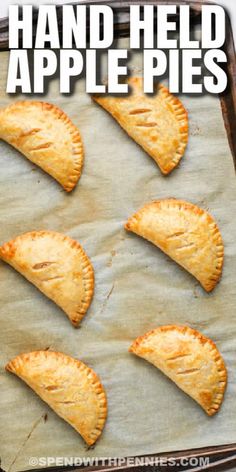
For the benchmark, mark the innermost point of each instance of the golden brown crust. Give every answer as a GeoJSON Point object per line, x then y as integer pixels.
{"type": "Point", "coordinates": [188, 358]}
{"type": "Point", "coordinates": [57, 265]}
{"type": "Point", "coordinates": [187, 233]}
{"type": "Point", "coordinates": [68, 386]}
{"type": "Point", "coordinates": [47, 137]}
{"type": "Point", "coordinates": [159, 124]}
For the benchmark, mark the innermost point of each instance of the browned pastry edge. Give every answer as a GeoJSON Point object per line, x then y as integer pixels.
{"type": "Point", "coordinates": [78, 156]}
{"type": "Point", "coordinates": [215, 232]}
{"type": "Point", "coordinates": [14, 366]}
{"type": "Point", "coordinates": [216, 356]}
{"type": "Point", "coordinates": [8, 249]}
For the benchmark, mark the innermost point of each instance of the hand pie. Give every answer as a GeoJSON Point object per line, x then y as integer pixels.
{"type": "Point", "coordinates": [158, 123]}
{"type": "Point", "coordinates": [47, 137]}
{"type": "Point", "coordinates": [188, 358]}
{"type": "Point", "coordinates": [186, 233]}
{"type": "Point", "coordinates": [57, 265]}
{"type": "Point", "coordinates": [68, 386]}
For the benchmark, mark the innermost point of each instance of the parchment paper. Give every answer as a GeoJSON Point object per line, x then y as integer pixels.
{"type": "Point", "coordinates": [137, 287]}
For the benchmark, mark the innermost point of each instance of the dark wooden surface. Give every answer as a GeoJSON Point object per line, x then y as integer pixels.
{"type": "Point", "coordinates": [221, 458]}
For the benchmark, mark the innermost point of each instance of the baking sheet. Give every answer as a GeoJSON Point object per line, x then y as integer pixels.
{"type": "Point", "coordinates": [137, 287]}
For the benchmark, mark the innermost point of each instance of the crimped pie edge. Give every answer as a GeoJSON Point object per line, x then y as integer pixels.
{"type": "Point", "coordinates": [131, 223]}
{"type": "Point", "coordinates": [216, 356]}
{"type": "Point", "coordinates": [88, 272]}
{"type": "Point", "coordinates": [78, 156]}
{"type": "Point", "coordinates": [180, 114]}
{"type": "Point", "coordinates": [14, 365]}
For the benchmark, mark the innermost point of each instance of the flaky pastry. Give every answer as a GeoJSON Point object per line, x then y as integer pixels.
{"type": "Point", "coordinates": [47, 137]}
{"type": "Point", "coordinates": [188, 234]}
{"type": "Point", "coordinates": [68, 386]}
{"type": "Point", "coordinates": [57, 265]}
{"type": "Point", "coordinates": [158, 123]}
{"type": "Point", "coordinates": [189, 359]}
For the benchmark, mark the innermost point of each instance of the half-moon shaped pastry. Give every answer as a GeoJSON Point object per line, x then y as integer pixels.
{"type": "Point", "coordinates": [158, 123]}
{"type": "Point", "coordinates": [47, 137]}
{"type": "Point", "coordinates": [68, 386]}
{"type": "Point", "coordinates": [188, 358]}
{"type": "Point", "coordinates": [186, 233]}
{"type": "Point", "coordinates": [57, 265]}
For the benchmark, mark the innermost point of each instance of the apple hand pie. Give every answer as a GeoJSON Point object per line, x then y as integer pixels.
{"type": "Point", "coordinates": [158, 123]}
{"type": "Point", "coordinates": [186, 233]}
{"type": "Point", "coordinates": [189, 359]}
{"type": "Point", "coordinates": [68, 386]}
{"type": "Point", "coordinates": [57, 265]}
{"type": "Point", "coordinates": [47, 137]}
